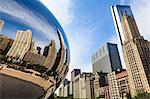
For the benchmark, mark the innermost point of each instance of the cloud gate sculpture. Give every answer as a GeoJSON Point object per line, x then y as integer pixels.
{"type": "Point", "coordinates": [34, 51]}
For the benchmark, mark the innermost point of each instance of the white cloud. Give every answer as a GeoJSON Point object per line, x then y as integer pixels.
{"type": "Point", "coordinates": [141, 11]}
{"type": "Point", "coordinates": [61, 10]}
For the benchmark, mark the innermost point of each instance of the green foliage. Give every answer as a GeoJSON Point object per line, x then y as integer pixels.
{"type": "Point", "coordinates": [144, 95]}
{"type": "Point", "coordinates": [39, 68]}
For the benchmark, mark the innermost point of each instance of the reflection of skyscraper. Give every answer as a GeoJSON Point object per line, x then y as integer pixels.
{"type": "Point", "coordinates": [62, 52]}
{"type": "Point", "coordinates": [34, 58]}
{"type": "Point", "coordinates": [39, 50]}
{"type": "Point", "coordinates": [136, 52]}
{"type": "Point", "coordinates": [1, 24]}
{"type": "Point", "coordinates": [46, 49]}
{"type": "Point", "coordinates": [5, 44]}
{"type": "Point", "coordinates": [20, 45]}
{"type": "Point", "coordinates": [60, 56]}
{"type": "Point", "coordinates": [52, 52]}
{"type": "Point", "coordinates": [65, 68]}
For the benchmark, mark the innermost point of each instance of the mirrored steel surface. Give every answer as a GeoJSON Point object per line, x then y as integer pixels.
{"type": "Point", "coordinates": [34, 51]}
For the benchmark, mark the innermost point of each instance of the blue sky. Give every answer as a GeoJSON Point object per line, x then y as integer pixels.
{"type": "Point", "coordinates": [89, 25]}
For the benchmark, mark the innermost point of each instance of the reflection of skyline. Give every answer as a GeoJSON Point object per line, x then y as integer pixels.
{"type": "Point", "coordinates": [20, 45]}
{"type": "Point", "coordinates": [22, 50]}
{"type": "Point", "coordinates": [21, 54]}
{"type": "Point", "coordinates": [43, 25]}
{"type": "Point", "coordinates": [30, 45]}
{"type": "Point", "coordinates": [1, 24]}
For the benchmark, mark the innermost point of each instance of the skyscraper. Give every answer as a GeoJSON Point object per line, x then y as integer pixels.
{"type": "Point", "coordinates": [20, 45]}
{"type": "Point", "coordinates": [1, 24]}
{"type": "Point", "coordinates": [100, 84]}
{"type": "Point", "coordinates": [136, 50]}
{"type": "Point", "coordinates": [74, 73]}
{"type": "Point", "coordinates": [113, 86]}
{"type": "Point", "coordinates": [83, 86]}
{"type": "Point", "coordinates": [106, 59]}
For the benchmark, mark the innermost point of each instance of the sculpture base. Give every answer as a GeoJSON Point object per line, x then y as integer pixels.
{"type": "Point", "coordinates": [12, 88]}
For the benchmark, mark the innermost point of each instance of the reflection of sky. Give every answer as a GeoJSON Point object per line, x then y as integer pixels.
{"type": "Point", "coordinates": [30, 14]}
{"type": "Point", "coordinates": [121, 10]}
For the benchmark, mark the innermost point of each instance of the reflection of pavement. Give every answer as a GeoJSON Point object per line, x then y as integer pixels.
{"type": "Point", "coordinates": [20, 83]}
{"type": "Point", "coordinates": [17, 88]}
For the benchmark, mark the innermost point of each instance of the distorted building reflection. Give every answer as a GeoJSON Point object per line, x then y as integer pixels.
{"type": "Point", "coordinates": [50, 52]}
{"type": "Point", "coordinates": [5, 44]}
{"type": "Point", "coordinates": [1, 24]}
{"type": "Point", "coordinates": [34, 57]}
{"type": "Point", "coordinates": [20, 46]}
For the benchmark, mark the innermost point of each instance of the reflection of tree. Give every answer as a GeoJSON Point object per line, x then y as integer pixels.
{"type": "Point", "coordinates": [37, 67]}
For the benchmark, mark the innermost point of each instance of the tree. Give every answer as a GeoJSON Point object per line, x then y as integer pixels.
{"type": "Point", "coordinates": [144, 95]}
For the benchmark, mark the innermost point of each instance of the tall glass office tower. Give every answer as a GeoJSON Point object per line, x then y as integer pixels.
{"type": "Point", "coordinates": [136, 49]}
{"type": "Point", "coordinates": [106, 59]}
{"type": "Point", "coordinates": [117, 12]}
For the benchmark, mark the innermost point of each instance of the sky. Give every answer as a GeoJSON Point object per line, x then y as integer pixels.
{"type": "Point", "coordinates": [88, 25]}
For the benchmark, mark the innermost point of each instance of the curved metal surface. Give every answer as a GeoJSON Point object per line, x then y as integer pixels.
{"type": "Point", "coordinates": [33, 46]}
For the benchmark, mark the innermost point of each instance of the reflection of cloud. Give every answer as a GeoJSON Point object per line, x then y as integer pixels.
{"type": "Point", "coordinates": [27, 16]}
{"type": "Point", "coordinates": [80, 38]}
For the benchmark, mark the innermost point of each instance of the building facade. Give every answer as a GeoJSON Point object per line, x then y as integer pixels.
{"type": "Point", "coordinates": [87, 87]}
{"type": "Point", "coordinates": [119, 84]}
{"type": "Point", "coordinates": [101, 88]}
{"type": "Point", "coordinates": [123, 83]}
{"type": "Point", "coordinates": [76, 86]}
{"type": "Point", "coordinates": [74, 73]}
{"type": "Point", "coordinates": [83, 86]}
{"type": "Point", "coordinates": [113, 86]}
{"type": "Point", "coordinates": [61, 91]}
{"type": "Point", "coordinates": [20, 45]}
{"type": "Point", "coordinates": [136, 50]}
{"type": "Point", "coordinates": [64, 90]}
{"type": "Point", "coordinates": [106, 59]}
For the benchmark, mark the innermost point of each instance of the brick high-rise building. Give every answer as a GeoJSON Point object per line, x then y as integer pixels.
{"type": "Point", "coordinates": [118, 84]}
{"type": "Point", "coordinates": [136, 50]}
{"type": "Point", "coordinates": [101, 85]}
